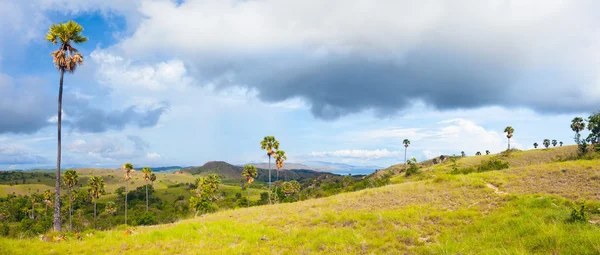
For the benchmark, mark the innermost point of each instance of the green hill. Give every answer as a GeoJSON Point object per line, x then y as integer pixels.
{"type": "Point", "coordinates": [525, 209]}
{"type": "Point", "coordinates": [231, 172]}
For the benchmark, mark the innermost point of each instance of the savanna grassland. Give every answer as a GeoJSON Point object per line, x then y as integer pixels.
{"type": "Point", "coordinates": [456, 207]}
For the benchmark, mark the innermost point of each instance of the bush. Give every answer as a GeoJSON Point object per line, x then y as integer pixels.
{"type": "Point", "coordinates": [466, 170]}
{"type": "Point", "coordinates": [145, 219]}
{"type": "Point", "coordinates": [578, 215]}
{"type": "Point", "coordinates": [492, 164]}
{"type": "Point", "coordinates": [413, 169]}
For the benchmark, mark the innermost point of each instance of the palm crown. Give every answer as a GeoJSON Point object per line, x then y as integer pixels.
{"type": "Point", "coordinates": [71, 178]}
{"type": "Point", "coordinates": [66, 57]}
{"type": "Point", "coordinates": [577, 124]}
{"type": "Point", "coordinates": [406, 142]}
{"type": "Point", "coordinates": [509, 131]}
{"type": "Point", "coordinates": [279, 158]}
{"type": "Point", "coordinates": [147, 173]}
{"type": "Point", "coordinates": [96, 186]}
{"type": "Point", "coordinates": [128, 167]}
{"type": "Point", "coordinates": [270, 144]}
{"type": "Point", "coordinates": [250, 173]}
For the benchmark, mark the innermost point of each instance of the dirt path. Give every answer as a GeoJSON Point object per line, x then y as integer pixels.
{"type": "Point", "coordinates": [496, 190]}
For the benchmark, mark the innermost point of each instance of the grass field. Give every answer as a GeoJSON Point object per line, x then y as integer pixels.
{"type": "Point", "coordinates": [114, 179]}
{"type": "Point", "coordinates": [521, 210]}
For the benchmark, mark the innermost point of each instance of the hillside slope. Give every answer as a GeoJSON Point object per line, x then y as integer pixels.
{"type": "Point", "coordinates": [519, 210]}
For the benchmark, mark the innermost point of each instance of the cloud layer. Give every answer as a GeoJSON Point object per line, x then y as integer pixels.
{"type": "Point", "coordinates": [386, 55]}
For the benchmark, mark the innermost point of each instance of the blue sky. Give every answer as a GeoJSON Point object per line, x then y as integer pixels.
{"type": "Point", "coordinates": [185, 82]}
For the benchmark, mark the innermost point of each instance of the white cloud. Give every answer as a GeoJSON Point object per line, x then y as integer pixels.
{"type": "Point", "coordinates": [153, 156]}
{"type": "Point", "coordinates": [119, 73]}
{"type": "Point", "coordinates": [358, 154]}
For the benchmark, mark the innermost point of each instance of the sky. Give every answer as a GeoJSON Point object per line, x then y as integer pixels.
{"type": "Point", "coordinates": [185, 82]}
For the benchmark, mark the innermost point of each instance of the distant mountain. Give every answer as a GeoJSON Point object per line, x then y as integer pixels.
{"type": "Point", "coordinates": [287, 166]}
{"type": "Point", "coordinates": [231, 172]}
{"type": "Point", "coordinates": [338, 166]}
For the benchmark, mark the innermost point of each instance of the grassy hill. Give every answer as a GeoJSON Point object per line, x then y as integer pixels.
{"type": "Point", "coordinates": [231, 172]}
{"type": "Point", "coordinates": [525, 209]}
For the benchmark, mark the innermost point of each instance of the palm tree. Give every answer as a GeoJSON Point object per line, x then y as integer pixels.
{"type": "Point", "coordinates": [560, 143]}
{"type": "Point", "coordinates": [478, 153]}
{"type": "Point", "coordinates": [279, 158]}
{"type": "Point", "coordinates": [577, 125]}
{"type": "Point", "coordinates": [270, 144]}
{"type": "Point", "coordinates": [47, 196]}
{"type": "Point", "coordinates": [71, 179]}
{"type": "Point", "coordinates": [128, 168]}
{"type": "Point", "coordinates": [250, 173]}
{"type": "Point", "coordinates": [546, 143]}
{"type": "Point", "coordinates": [406, 142]}
{"type": "Point", "coordinates": [66, 59]}
{"type": "Point", "coordinates": [462, 153]}
{"type": "Point", "coordinates": [96, 189]}
{"type": "Point", "coordinates": [554, 143]}
{"type": "Point", "coordinates": [147, 173]}
{"type": "Point", "coordinates": [152, 178]}
{"type": "Point", "coordinates": [509, 134]}
{"type": "Point", "coordinates": [535, 145]}
{"type": "Point", "coordinates": [487, 152]}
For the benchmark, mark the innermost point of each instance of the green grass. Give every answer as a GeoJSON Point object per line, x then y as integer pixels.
{"type": "Point", "coordinates": [520, 210]}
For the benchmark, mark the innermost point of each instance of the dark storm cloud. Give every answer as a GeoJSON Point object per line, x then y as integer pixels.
{"type": "Point", "coordinates": [441, 78]}
{"type": "Point", "coordinates": [86, 118]}
{"type": "Point", "coordinates": [25, 107]}
{"type": "Point", "coordinates": [341, 85]}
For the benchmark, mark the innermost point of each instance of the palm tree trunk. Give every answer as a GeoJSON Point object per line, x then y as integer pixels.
{"type": "Point", "coordinates": [95, 212]}
{"type": "Point", "coordinates": [126, 192]}
{"type": "Point", "coordinates": [509, 144]}
{"type": "Point", "coordinates": [269, 179]}
{"type": "Point", "coordinates": [57, 221]}
{"type": "Point", "coordinates": [146, 196]}
{"type": "Point", "coordinates": [248, 188]}
{"type": "Point", "coordinates": [70, 210]}
{"type": "Point", "coordinates": [405, 158]}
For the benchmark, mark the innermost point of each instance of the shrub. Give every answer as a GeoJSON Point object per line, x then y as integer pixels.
{"type": "Point", "coordinates": [413, 169]}
{"type": "Point", "coordinates": [466, 170]}
{"type": "Point", "coordinates": [578, 215]}
{"type": "Point", "coordinates": [492, 164]}
{"type": "Point", "coordinates": [145, 219]}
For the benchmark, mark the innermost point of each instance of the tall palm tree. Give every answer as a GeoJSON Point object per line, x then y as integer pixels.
{"type": "Point", "coordinates": [509, 134]}
{"type": "Point", "coordinates": [96, 189]}
{"type": "Point", "coordinates": [249, 173]}
{"type": "Point", "coordinates": [546, 143]}
{"type": "Point", "coordinates": [128, 168]}
{"type": "Point", "coordinates": [487, 152]}
{"type": "Point", "coordinates": [66, 59]}
{"type": "Point", "coordinates": [279, 158]}
{"type": "Point", "coordinates": [406, 142]}
{"type": "Point", "coordinates": [577, 125]}
{"type": "Point", "coordinates": [560, 143]}
{"type": "Point", "coordinates": [462, 154]}
{"type": "Point", "coordinates": [270, 144]}
{"type": "Point", "coordinates": [147, 173]}
{"type": "Point", "coordinates": [71, 179]}
{"type": "Point", "coordinates": [47, 201]}
{"type": "Point", "coordinates": [554, 142]}
{"type": "Point", "coordinates": [535, 145]}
